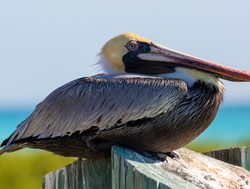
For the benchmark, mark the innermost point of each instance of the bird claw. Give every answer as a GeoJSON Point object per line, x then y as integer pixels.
{"type": "Point", "coordinates": [173, 155]}
{"type": "Point", "coordinates": [164, 156]}
{"type": "Point", "coordinates": [160, 156]}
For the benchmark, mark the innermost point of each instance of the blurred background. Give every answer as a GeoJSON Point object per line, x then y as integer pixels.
{"type": "Point", "coordinates": [45, 44]}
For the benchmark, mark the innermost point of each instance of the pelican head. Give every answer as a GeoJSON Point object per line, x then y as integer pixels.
{"type": "Point", "coordinates": [131, 53]}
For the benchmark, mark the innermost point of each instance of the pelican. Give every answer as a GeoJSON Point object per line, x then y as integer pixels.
{"type": "Point", "coordinates": [150, 99]}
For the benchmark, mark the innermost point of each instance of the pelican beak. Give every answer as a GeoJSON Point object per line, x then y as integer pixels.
{"type": "Point", "coordinates": [162, 60]}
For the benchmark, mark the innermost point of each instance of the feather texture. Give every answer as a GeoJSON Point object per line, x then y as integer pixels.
{"type": "Point", "coordinates": [99, 102]}
{"type": "Point", "coordinates": [86, 116]}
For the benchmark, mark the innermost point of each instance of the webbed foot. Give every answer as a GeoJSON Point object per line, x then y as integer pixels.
{"type": "Point", "coordinates": [173, 155]}
{"type": "Point", "coordinates": [160, 156]}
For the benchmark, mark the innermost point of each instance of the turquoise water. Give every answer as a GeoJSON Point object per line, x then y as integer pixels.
{"type": "Point", "coordinates": [232, 124]}
{"type": "Point", "coordinates": [9, 119]}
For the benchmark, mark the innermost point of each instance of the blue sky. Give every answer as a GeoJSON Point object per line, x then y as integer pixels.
{"type": "Point", "coordinates": [45, 44]}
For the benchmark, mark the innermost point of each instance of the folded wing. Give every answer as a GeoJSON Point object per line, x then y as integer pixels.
{"type": "Point", "coordinates": [98, 102]}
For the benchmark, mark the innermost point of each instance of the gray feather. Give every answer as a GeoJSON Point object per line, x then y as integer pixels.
{"type": "Point", "coordinates": [100, 102]}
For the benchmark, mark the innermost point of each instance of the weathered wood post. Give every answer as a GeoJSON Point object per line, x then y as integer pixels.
{"type": "Point", "coordinates": [236, 156]}
{"type": "Point", "coordinates": [80, 174]}
{"type": "Point", "coordinates": [129, 170]}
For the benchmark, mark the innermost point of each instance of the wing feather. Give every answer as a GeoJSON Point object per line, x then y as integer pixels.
{"type": "Point", "coordinates": [99, 102]}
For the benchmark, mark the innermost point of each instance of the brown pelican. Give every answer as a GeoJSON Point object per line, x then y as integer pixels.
{"type": "Point", "coordinates": [151, 99]}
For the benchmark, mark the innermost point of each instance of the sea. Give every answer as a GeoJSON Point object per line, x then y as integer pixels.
{"type": "Point", "coordinates": [230, 127]}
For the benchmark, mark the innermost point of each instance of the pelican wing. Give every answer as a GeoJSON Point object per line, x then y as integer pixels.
{"type": "Point", "coordinates": [99, 102]}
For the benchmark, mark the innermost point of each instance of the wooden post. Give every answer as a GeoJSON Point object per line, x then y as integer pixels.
{"type": "Point", "coordinates": [236, 156]}
{"type": "Point", "coordinates": [129, 170]}
{"type": "Point", "coordinates": [81, 175]}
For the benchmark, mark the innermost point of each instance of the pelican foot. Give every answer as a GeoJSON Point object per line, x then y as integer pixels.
{"type": "Point", "coordinates": [173, 155]}
{"type": "Point", "coordinates": [164, 156]}
{"type": "Point", "coordinates": [160, 156]}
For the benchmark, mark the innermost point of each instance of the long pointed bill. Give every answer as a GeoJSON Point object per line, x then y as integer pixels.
{"type": "Point", "coordinates": [173, 59]}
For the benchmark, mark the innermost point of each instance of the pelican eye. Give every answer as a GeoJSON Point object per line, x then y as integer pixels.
{"type": "Point", "coordinates": [132, 46]}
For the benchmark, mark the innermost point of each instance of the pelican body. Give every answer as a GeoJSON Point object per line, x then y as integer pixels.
{"type": "Point", "coordinates": [151, 99]}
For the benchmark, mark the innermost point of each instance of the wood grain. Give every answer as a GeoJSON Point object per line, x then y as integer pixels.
{"type": "Point", "coordinates": [128, 169]}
